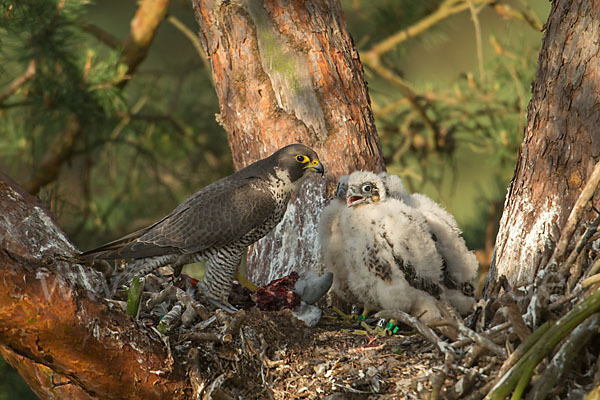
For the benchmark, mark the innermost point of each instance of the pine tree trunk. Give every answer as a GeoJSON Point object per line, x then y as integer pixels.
{"type": "Point", "coordinates": [561, 142]}
{"type": "Point", "coordinates": [288, 72]}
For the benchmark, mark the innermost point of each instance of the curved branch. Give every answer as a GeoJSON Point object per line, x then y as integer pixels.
{"type": "Point", "coordinates": [54, 324]}
{"type": "Point", "coordinates": [18, 82]}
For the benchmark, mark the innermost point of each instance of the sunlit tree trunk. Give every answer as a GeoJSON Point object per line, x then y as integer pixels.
{"type": "Point", "coordinates": [288, 72]}
{"type": "Point", "coordinates": [561, 142]}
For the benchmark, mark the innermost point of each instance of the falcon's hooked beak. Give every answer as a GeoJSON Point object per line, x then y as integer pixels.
{"type": "Point", "coordinates": [315, 166]}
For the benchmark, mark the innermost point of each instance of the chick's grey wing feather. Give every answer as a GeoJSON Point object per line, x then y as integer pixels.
{"type": "Point", "coordinates": [217, 215]}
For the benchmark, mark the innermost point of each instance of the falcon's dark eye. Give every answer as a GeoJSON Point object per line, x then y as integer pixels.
{"type": "Point", "coordinates": [301, 159]}
{"type": "Point", "coordinates": [367, 188]}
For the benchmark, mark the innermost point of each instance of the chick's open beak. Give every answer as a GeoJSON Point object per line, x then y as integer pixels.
{"type": "Point", "coordinates": [353, 199]}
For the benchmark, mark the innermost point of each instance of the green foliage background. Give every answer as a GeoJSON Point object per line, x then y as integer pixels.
{"type": "Point", "coordinates": [145, 148]}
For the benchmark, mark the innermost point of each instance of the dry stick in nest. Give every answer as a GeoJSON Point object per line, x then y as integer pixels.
{"type": "Point", "coordinates": [437, 380]}
{"type": "Point", "coordinates": [589, 232]}
{"type": "Point", "coordinates": [517, 378]}
{"type": "Point", "coordinates": [491, 332]}
{"type": "Point", "coordinates": [481, 340]}
{"type": "Point", "coordinates": [576, 213]}
{"type": "Point", "coordinates": [423, 329]}
{"type": "Point", "coordinates": [196, 380]}
{"type": "Point", "coordinates": [516, 319]}
{"type": "Point", "coordinates": [563, 358]}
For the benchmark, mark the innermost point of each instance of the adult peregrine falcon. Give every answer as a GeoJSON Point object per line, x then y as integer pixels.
{"type": "Point", "coordinates": [393, 250]}
{"type": "Point", "coordinates": [218, 222]}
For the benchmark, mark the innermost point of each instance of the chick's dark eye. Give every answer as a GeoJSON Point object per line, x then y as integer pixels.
{"type": "Point", "coordinates": [367, 188]}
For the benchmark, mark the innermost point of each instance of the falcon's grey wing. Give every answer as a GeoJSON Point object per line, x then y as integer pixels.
{"type": "Point", "coordinates": [213, 217]}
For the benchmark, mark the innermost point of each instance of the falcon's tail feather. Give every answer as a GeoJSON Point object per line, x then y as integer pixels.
{"type": "Point", "coordinates": [140, 268]}
{"type": "Point", "coordinates": [117, 249]}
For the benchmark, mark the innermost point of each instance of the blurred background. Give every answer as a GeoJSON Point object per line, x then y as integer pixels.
{"type": "Point", "coordinates": [110, 153]}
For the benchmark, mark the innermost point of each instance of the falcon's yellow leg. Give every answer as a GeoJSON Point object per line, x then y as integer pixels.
{"type": "Point", "coordinates": [365, 314]}
{"type": "Point", "coordinates": [245, 282]}
{"type": "Point", "coordinates": [346, 318]}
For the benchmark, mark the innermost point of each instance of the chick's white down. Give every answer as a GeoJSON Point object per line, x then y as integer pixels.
{"type": "Point", "coordinates": [390, 250]}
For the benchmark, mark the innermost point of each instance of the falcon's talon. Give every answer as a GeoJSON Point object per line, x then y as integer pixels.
{"type": "Point", "coordinates": [245, 282]}
{"type": "Point", "coordinates": [346, 318]}
{"type": "Point", "coordinates": [377, 330]}
{"type": "Point", "coordinates": [217, 223]}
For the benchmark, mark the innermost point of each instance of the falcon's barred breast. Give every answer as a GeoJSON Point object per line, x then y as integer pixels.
{"type": "Point", "coordinates": [218, 222]}
{"type": "Point", "coordinates": [393, 250]}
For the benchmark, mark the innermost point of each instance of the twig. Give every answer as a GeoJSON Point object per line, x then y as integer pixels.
{"type": "Point", "coordinates": [516, 319]}
{"type": "Point", "coordinates": [587, 282]}
{"type": "Point", "coordinates": [192, 38]}
{"type": "Point", "coordinates": [461, 387]}
{"type": "Point", "coordinates": [475, 17]}
{"type": "Point", "coordinates": [111, 41]}
{"type": "Point", "coordinates": [519, 375]}
{"type": "Point", "coordinates": [207, 337]}
{"type": "Point", "coordinates": [583, 240]}
{"type": "Point", "coordinates": [437, 381]}
{"type": "Point", "coordinates": [595, 267]}
{"type": "Point", "coordinates": [476, 337]}
{"type": "Point", "coordinates": [234, 325]}
{"type": "Point", "coordinates": [189, 301]}
{"type": "Point", "coordinates": [570, 349]}
{"type": "Point", "coordinates": [196, 380]}
{"type": "Point", "coordinates": [565, 299]}
{"type": "Point", "coordinates": [59, 151]}
{"type": "Point", "coordinates": [490, 332]}
{"type": "Point", "coordinates": [373, 57]}
{"type": "Point", "coordinates": [19, 81]}
{"type": "Point", "coordinates": [481, 340]}
{"type": "Point", "coordinates": [522, 350]}
{"type": "Point", "coordinates": [167, 293]}
{"type": "Point", "coordinates": [423, 329]}
{"type": "Point", "coordinates": [576, 213]}
{"type": "Point", "coordinates": [445, 10]}
{"type": "Point", "coordinates": [170, 318]}
{"type": "Point", "coordinates": [575, 272]}
{"type": "Point", "coordinates": [529, 18]}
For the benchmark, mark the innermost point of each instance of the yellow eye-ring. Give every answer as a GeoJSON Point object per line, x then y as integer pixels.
{"type": "Point", "coordinates": [302, 159]}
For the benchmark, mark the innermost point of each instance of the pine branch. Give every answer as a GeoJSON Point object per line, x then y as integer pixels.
{"type": "Point", "coordinates": [103, 36]}
{"type": "Point", "coordinates": [59, 151]}
{"type": "Point", "coordinates": [144, 25]}
{"type": "Point", "coordinates": [478, 42]}
{"type": "Point", "coordinates": [19, 81]}
{"type": "Point", "coordinates": [187, 32]}
{"type": "Point", "coordinates": [445, 10]}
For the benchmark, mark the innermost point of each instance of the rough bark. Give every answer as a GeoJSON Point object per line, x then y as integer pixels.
{"type": "Point", "coordinates": [561, 141]}
{"type": "Point", "coordinates": [55, 329]}
{"type": "Point", "coordinates": [288, 72]}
